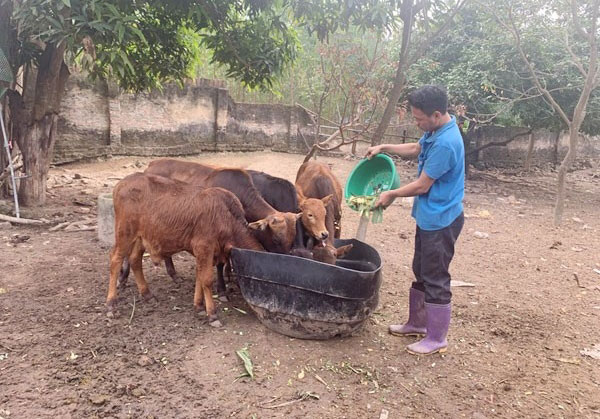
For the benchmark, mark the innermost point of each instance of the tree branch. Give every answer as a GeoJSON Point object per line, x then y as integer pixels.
{"type": "Point", "coordinates": [49, 75]}
{"type": "Point", "coordinates": [592, 74]}
{"type": "Point", "coordinates": [574, 58]}
{"type": "Point", "coordinates": [515, 33]}
{"type": "Point", "coordinates": [498, 143]}
{"type": "Point", "coordinates": [424, 46]}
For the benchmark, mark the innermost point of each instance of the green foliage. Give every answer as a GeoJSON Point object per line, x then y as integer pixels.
{"type": "Point", "coordinates": [145, 43]}
{"type": "Point", "coordinates": [478, 61]}
{"type": "Point", "coordinates": [251, 43]}
{"type": "Point", "coordinates": [323, 17]}
{"type": "Point", "coordinates": [253, 49]}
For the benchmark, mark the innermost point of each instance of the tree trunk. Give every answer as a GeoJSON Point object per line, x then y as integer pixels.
{"type": "Point", "coordinates": [36, 147]}
{"type": "Point", "coordinates": [562, 174]}
{"type": "Point", "coordinates": [7, 36]}
{"type": "Point", "coordinates": [400, 78]}
{"type": "Point", "coordinates": [35, 119]}
{"type": "Point", "coordinates": [527, 165]}
{"type": "Point", "coordinates": [3, 156]}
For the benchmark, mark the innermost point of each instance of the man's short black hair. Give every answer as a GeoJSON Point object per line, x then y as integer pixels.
{"type": "Point", "coordinates": [428, 99]}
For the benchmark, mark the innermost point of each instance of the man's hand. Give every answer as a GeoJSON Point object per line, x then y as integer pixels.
{"type": "Point", "coordinates": [385, 199]}
{"type": "Point", "coordinates": [373, 151]}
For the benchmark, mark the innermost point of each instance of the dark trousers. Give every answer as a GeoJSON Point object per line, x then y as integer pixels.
{"type": "Point", "coordinates": [433, 253]}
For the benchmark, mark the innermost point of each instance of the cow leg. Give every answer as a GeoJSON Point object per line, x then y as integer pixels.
{"type": "Point", "coordinates": [171, 270]}
{"type": "Point", "coordinates": [124, 274]}
{"type": "Point", "coordinates": [204, 282]}
{"type": "Point", "coordinates": [201, 256]}
{"type": "Point", "coordinates": [221, 288]}
{"type": "Point", "coordinates": [117, 255]}
{"type": "Point", "coordinates": [135, 259]}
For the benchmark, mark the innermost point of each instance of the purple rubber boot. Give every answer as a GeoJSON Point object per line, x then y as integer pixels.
{"type": "Point", "coordinates": [438, 321]}
{"type": "Point", "coordinates": [415, 326]}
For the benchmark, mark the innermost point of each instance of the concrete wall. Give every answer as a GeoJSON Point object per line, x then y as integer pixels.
{"type": "Point", "coordinates": [548, 147]}
{"type": "Point", "coordinates": [97, 120]}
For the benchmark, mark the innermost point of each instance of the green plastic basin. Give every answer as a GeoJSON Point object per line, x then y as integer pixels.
{"type": "Point", "coordinates": [373, 176]}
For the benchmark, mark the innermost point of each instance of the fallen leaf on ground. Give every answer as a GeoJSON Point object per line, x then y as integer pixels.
{"type": "Point", "coordinates": [245, 356]}
{"type": "Point", "coordinates": [457, 283]}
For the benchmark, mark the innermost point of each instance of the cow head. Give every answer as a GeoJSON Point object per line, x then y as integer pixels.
{"type": "Point", "coordinates": [277, 231]}
{"type": "Point", "coordinates": [329, 254]}
{"type": "Point", "coordinates": [302, 253]}
{"type": "Point", "coordinates": [313, 215]}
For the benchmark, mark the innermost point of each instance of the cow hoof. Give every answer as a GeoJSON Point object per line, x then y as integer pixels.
{"type": "Point", "coordinates": [176, 279]}
{"type": "Point", "coordinates": [111, 309]}
{"type": "Point", "coordinates": [149, 297]}
{"type": "Point", "coordinates": [121, 284]}
{"type": "Point", "coordinates": [216, 323]}
{"type": "Point", "coordinates": [200, 310]}
{"type": "Point", "coordinates": [223, 298]}
{"type": "Point", "coordinates": [112, 312]}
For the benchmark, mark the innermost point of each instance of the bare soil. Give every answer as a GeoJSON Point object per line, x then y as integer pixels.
{"type": "Point", "coordinates": [515, 338]}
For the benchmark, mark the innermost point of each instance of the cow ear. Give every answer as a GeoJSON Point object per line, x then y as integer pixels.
{"type": "Point", "coordinates": [342, 251]}
{"type": "Point", "coordinates": [327, 199]}
{"type": "Point", "coordinates": [276, 220]}
{"type": "Point", "coordinates": [298, 216]}
{"type": "Point", "coordinates": [260, 225]}
{"type": "Point", "coordinates": [301, 197]}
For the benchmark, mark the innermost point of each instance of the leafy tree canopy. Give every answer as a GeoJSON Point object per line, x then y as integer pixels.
{"type": "Point", "coordinates": [145, 43]}
{"type": "Point", "coordinates": [482, 69]}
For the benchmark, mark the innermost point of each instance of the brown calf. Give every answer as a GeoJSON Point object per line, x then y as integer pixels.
{"type": "Point", "coordinates": [314, 213]}
{"type": "Point", "coordinates": [329, 253]}
{"type": "Point", "coordinates": [164, 217]}
{"type": "Point", "coordinates": [316, 180]}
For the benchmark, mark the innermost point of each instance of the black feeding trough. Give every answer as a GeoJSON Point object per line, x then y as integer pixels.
{"type": "Point", "coordinates": [306, 299]}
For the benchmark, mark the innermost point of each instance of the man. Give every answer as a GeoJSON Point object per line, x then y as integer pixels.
{"type": "Point", "coordinates": [438, 210]}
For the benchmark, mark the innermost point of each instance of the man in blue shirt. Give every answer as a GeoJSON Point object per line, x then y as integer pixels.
{"type": "Point", "coordinates": [438, 211]}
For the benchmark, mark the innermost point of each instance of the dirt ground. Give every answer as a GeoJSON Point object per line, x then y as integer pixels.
{"type": "Point", "coordinates": [514, 346]}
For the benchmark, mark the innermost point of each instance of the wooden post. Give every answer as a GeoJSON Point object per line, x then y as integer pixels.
{"type": "Point", "coordinates": [361, 232]}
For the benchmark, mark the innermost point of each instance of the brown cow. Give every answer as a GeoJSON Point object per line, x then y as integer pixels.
{"type": "Point", "coordinates": [316, 180]}
{"type": "Point", "coordinates": [164, 217]}
{"type": "Point", "coordinates": [278, 229]}
{"type": "Point", "coordinates": [328, 253]}
{"type": "Point", "coordinates": [314, 215]}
